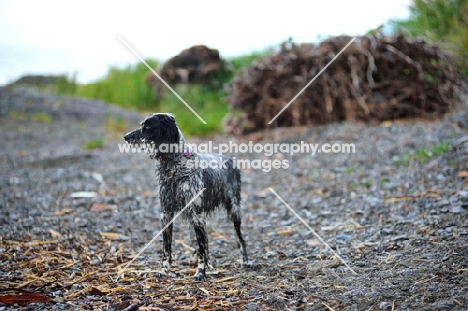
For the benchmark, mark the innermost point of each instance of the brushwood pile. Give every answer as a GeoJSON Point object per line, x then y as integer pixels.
{"type": "Point", "coordinates": [375, 78]}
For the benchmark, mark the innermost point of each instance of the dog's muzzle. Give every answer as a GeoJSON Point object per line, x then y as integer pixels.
{"type": "Point", "coordinates": [133, 137]}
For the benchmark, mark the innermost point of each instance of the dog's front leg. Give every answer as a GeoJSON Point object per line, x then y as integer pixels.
{"type": "Point", "coordinates": [198, 223]}
{"type": "Point", "coordinates": [166, 217]}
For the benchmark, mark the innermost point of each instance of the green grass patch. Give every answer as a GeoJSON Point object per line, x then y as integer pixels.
{"type": "Point", "coordinates": [243, 61]}
{"type": "Point", "coordinates": [116, 124]}
{"type": "Point", "coordinates": [441, 21]}
{"type": "Point", "coordinates": [383, 181]}
{"type": "Point", "coordinates": [363, 183]}
{"type": "Point", "coordinates": [50, 83]}
{"type": "Point", "coordinates": [208, 104]}
{"type": "Point", "coordinates": [423, 155]}
{"type": "Point", "coordinates": [93, 144]}
{"type": "Point", "coordinates": [41, 117]}
{"type": "Point", "coordinates": [15, 115]}
{"type": "Point", "coordinates": [126, 87]}
{"type": "Point", "coordinates": [314, 174]}
{"type": "Point", "coordinates": [80, 124]}
{"type": "Point", "coordinates": [58, 104]}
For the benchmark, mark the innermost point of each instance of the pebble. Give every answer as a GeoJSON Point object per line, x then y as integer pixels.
{"type": "Point", "coordinates": [372, 294]}
{"type": "Point", "coordinates": [457, 209]}
{"type": "Point", "coordinates": [385, 305]}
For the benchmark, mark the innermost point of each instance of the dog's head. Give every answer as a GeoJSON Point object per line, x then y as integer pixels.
{"type": "Point", "coordinates": [155, 130]}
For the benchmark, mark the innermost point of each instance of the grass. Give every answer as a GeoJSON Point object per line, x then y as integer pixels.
{"type": "Point", "coordinates": [314, 174]}
{"type": "Point", "coordinates": [126, 87]}
{"type": "Point", "coordinates": [15, 115]}
{"type": "Point", "coordinates": [382, 181]}
{"type": "Point", "coordinates": [41, 117]}
{"type": "Point", "coordinates": [423, 155]}
{"type": "Point", "coordinates": [93, 144]}
{"type": "Point", "coordinates": [364, 183]}
{"type": "Point", "coordinates": [208, 104]}
{"type": "Point", "coordinates": [116, 124]}
{"type": "Point", "coordinates": [441, 21]}
{"type": "Point", "coordinates": [243, 61]}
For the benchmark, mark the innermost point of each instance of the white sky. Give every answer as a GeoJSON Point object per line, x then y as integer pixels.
{"type": "Point", "coordinates": [63, 37]}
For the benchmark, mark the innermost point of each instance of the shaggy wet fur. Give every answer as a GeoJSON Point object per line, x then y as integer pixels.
{"type": "Point", "coordinates": [181, 181]}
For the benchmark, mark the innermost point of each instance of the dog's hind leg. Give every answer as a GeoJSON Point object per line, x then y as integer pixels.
{"type": "Point", "coordinates": [194, 258]}
{"type": "Point", "coordinates": [167, 244]}
{"type": "Point", "coordinates": [198, 223]}
{"type": "Point", "coordinates": [235, 214]}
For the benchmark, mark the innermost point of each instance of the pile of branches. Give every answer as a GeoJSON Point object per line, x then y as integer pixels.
{"type": "Point", "coordinates": [196, 65]}
{"type": "Point", "coordinates": [376, 78]}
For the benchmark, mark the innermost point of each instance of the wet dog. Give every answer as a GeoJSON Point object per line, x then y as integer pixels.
{"type": "Point", "coordinates": [181, 180]}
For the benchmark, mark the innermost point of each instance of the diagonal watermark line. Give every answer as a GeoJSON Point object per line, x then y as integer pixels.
{"type": "Point", "coordinates": [161, 231]}
{"type": "Point", "coordinates": [316, 76]}
{"type": "Point", "coordinates": [162, 80]}
{"type": "Point", "coordinates": [313, 231]}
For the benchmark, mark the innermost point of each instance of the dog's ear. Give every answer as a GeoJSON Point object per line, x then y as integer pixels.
{"type": "Point", "coordinates": [160, 128]}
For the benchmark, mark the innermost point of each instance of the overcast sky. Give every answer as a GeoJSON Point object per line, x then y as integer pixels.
{"type": "Point", "coordinates": [66, 37]}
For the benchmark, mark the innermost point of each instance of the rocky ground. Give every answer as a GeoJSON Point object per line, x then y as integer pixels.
{"type": "Point", "coordinates": [75, 211]}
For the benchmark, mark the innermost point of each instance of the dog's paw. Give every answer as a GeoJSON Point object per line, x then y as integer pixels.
{"type": "Point", "coordinates": [199, 277]}
{"type": "Point", "coordinates": [161, 275]}
{"type": "Point", "coordinates": [250, 266]}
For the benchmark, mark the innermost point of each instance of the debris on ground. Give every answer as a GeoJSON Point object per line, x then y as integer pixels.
{"type": "Point", "coordinates": [73, 218]}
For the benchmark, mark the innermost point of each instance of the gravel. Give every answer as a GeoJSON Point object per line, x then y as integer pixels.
{"type": "Point", "coordinates": [72, 216]}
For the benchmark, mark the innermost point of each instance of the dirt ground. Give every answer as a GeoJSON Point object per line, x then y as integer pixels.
{"type": "Point", "coordinates": [73, 216]}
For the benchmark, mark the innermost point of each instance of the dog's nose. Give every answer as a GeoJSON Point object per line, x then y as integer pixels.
{"type": "Point", "coordinates": [127, 136]}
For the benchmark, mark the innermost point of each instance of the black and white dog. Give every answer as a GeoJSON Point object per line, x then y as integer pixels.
{"type": "Point", "coordinates": [180, 182]}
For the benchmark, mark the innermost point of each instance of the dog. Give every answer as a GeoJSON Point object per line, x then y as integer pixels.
{"type": "Point", "coordinates": [181, 181]}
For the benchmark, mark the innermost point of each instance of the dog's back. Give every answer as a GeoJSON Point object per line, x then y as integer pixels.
{"type": "Point", "coordinates": [185, 176]}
